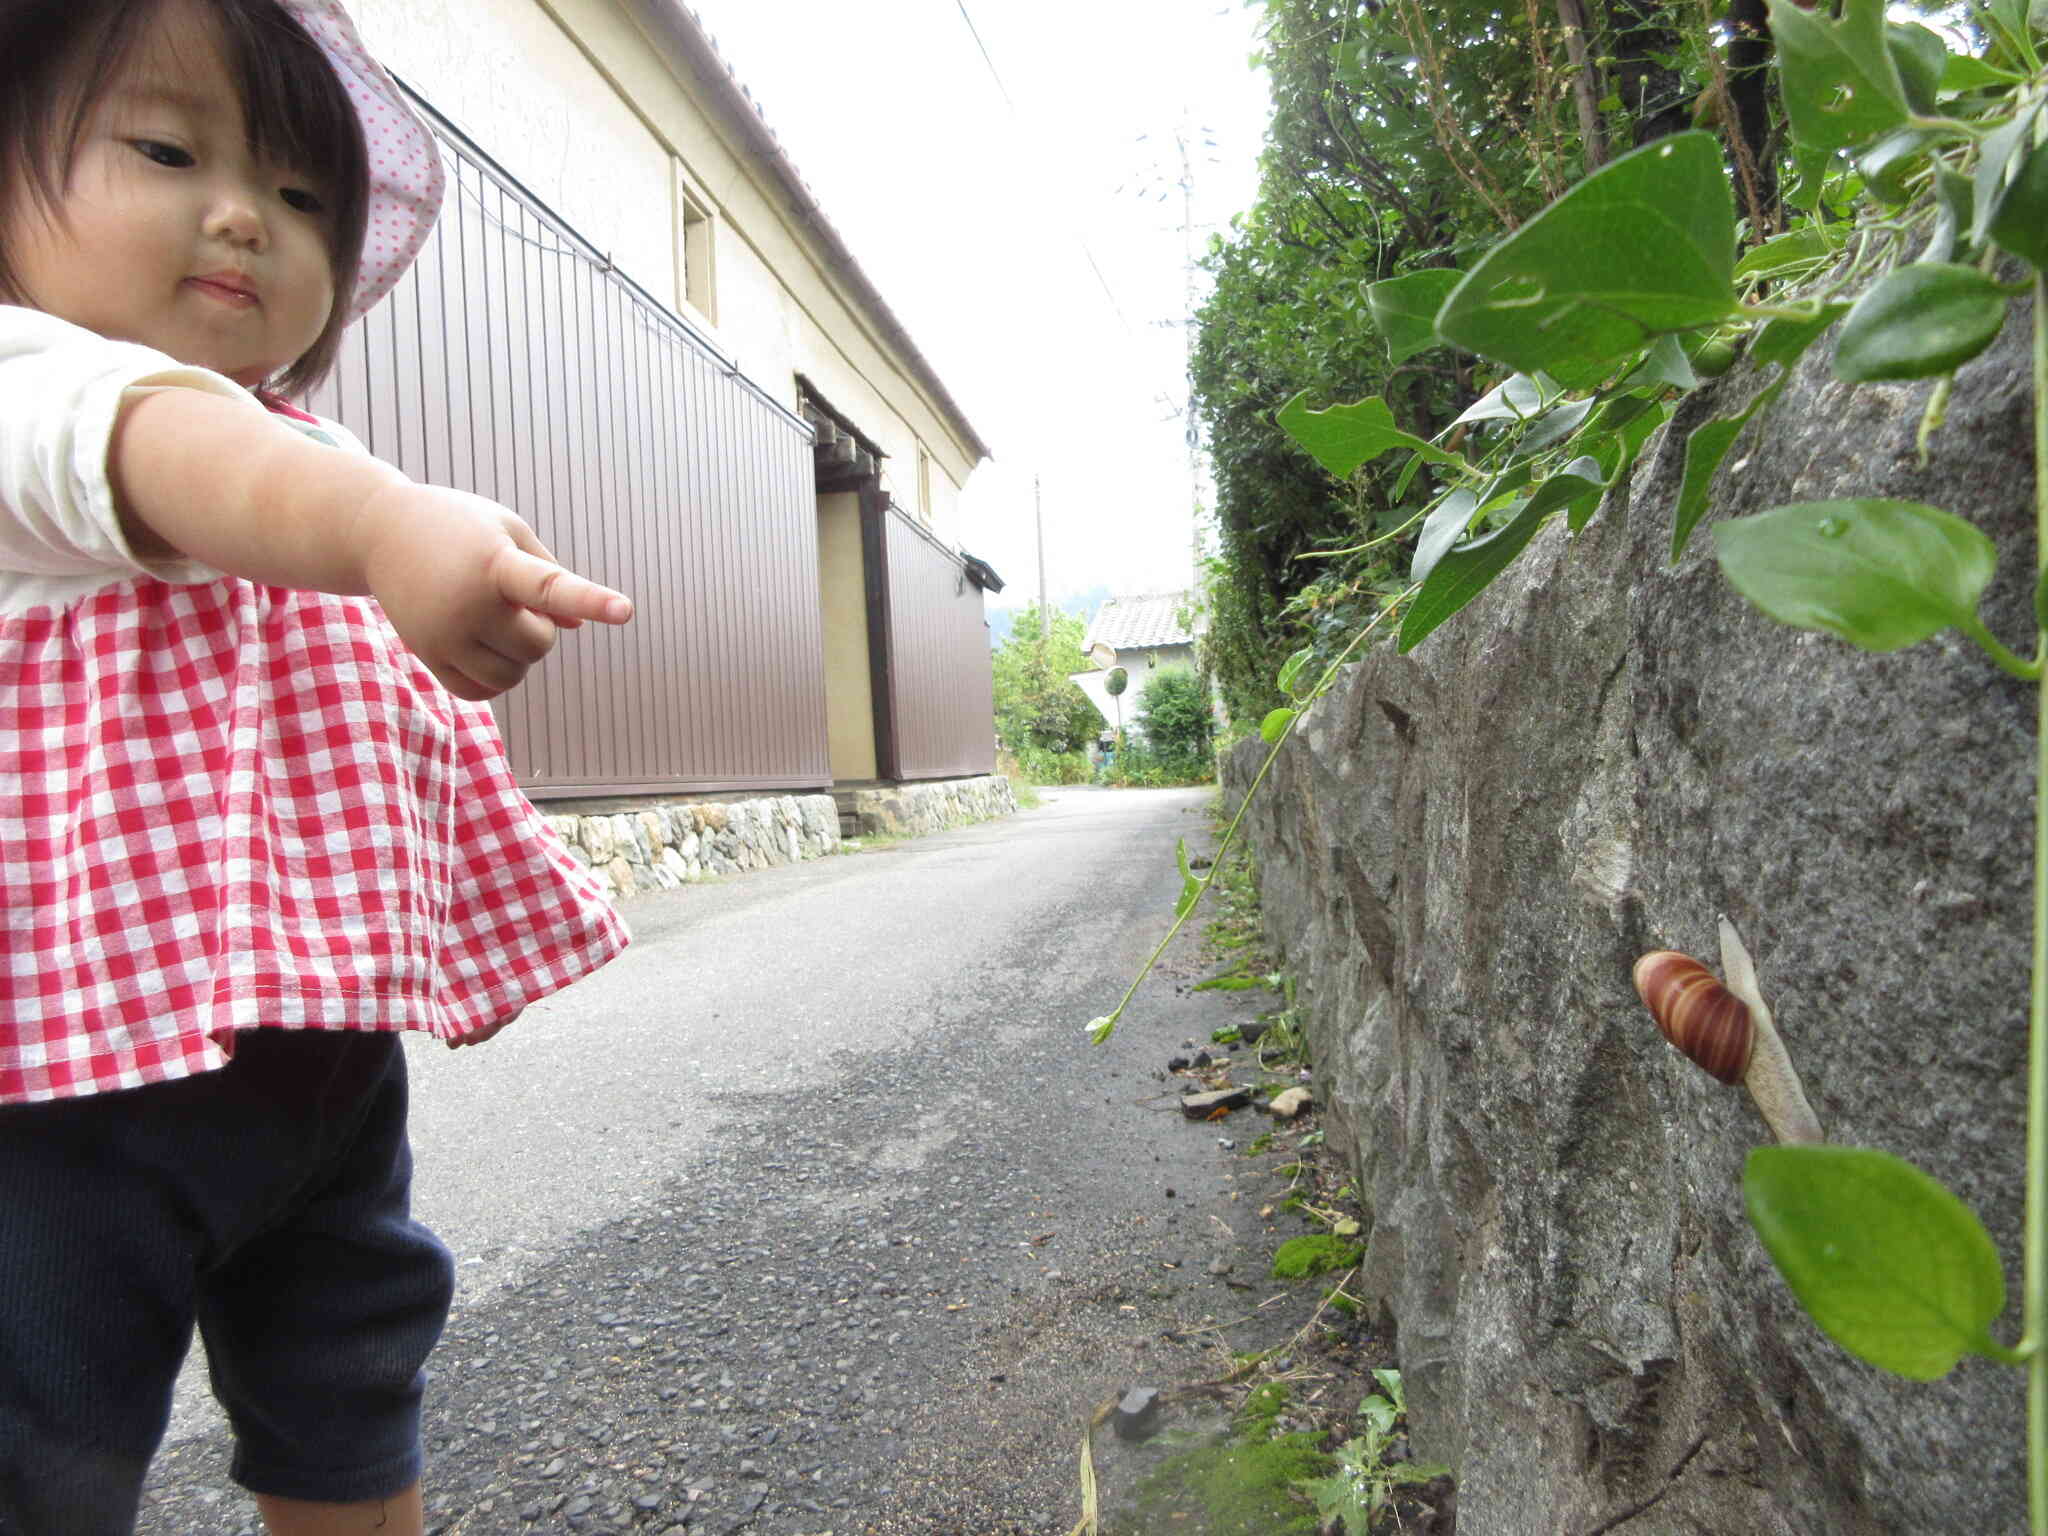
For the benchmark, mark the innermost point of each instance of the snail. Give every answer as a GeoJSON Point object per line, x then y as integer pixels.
{"type": "Point", "coordinates": [1726, 1029]}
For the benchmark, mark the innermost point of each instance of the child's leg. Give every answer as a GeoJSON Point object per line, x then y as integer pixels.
{"type": "Point", "coordinates": [399, 1515]}
{"type": "Point", "coordinates": [98, 1247]}
{"type": "Point", "coordinates": [317, 1327]}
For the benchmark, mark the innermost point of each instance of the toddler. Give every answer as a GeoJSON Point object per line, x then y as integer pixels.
{"type": "Point", "coordinates": [255, 817]}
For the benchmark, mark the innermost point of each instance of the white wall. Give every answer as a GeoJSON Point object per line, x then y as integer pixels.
{"type": "Point", "coordinates": [510, 78]}
{"type": "Point", "coordinates": [574, 101]}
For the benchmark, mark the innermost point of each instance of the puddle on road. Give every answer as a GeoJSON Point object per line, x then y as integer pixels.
{"type": "Point", "coordinates": [1192, 1477]}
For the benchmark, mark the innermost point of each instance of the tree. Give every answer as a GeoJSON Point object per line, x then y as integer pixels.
{"type": "Point", "coordinates": [1036, 704]}
{"type": "Point", "coordinates": [1408, 138]}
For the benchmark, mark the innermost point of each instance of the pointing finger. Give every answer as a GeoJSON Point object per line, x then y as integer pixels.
{"type": "Point", "coordinates": [532, 582]}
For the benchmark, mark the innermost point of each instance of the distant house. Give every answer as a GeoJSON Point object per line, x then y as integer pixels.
{"type": "Point", "coordinates": [636, 326]}
{"type": "Point", "coordinates": [1148, 637]}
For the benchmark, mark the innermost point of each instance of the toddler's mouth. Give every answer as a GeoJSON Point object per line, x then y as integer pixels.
{"type": "Point", "coordinates": [229, 287]}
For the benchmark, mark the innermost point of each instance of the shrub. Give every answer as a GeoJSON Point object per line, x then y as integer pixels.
{"type": "Point", "coordinates": [1177, 722]}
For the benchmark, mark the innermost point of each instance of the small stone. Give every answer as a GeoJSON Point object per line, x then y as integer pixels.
{"type": "Point", "coordinates": [1200, 1106]}
{"type": "Point", "coordinates": [1137, 1415]}
{"type": "Point", "coordinates": [1286, 1105]}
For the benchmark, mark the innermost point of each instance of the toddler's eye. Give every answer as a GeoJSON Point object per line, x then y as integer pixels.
{"type": "Point", "coordinates": [301, 199]}
{"type": "Point", "coordinates": [163, 154]}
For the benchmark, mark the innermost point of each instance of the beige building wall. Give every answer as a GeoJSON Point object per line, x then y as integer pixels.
{"type": "Point", "coordinates": [842, 589]}
{"type": "Point", "coordinates": [581, 101]}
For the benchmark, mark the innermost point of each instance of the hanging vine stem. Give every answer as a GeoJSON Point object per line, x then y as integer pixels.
{"type": "Point", "coordinates": [2034, 1304]}
{"type": "Point", "coordinates": [1101, 1029]}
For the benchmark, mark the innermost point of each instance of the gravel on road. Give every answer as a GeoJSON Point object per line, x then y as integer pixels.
{"type": "Point", "coordinates": [882, 1304]}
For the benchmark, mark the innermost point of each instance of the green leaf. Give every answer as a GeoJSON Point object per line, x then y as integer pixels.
{"type": "Point", "coordinates": [1666, 364]}
{"type": "Point", "coordinates": [1920, 56]}
{"type": "Point", "coordinates": [1885, 165]}
{"type": "Point", "coordinates": [1880, 574]}
{"type": "Point", "coordinates": [1840, 84]}
{"type": "Point", "coordinates": [1291, 668]}
{"type": "Point", "coordinates": [2009, 18]}
{"type": "Point", "coordinates": [1463, 573]}
{"type": "Point", "coordinates": [1440, 530]}
{"type": "Point", "coordinates": [1704, 451]}
{"type": "Point", "coordinates": [2020, 223]}
{"type": "Point", "coordinates": [1404, 308]}
{"type": "Point", "coordinates": [1784, 340]}
{"type": "Point", "coordinates": [1346, 436]}
{"type": "Point", "coordinates": [1893, 1267]}
{"type": "Point", "coordinates": [1962, 73]}
{"type": "Point", "coordinates": [1918, 321]}
{"type": "Point", "coordinates": [1644, 245]}
{"type": "Point", "coordinates": [1803, 247]}
{"type": "Point", "coordinates": [1100, 1029]}
{"type": "Point", "coordinates": [1552, 427]}
{"type": "Point", "coordinates": [1994, 157]}
{"type": "Point", "coordinates": [1953, 194]}
{"type": "Point", "coordinates": [1617, 453]}
{"type": "Point", "coordinates": [1274, 726]}
{"type": "Point", "coordinates": [1231, 983]}
{"type": "Point", "coordinates": [1618, 413]}
{"type": "Point", "coordinates": [1516, 398]}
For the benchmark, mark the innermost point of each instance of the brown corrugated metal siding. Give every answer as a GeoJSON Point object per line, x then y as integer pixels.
{"type": "Point", "coordinates": [513, 362]}
{"type": "Point", "coordinates": [940, 672]}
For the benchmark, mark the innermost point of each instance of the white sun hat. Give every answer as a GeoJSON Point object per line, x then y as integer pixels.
{"type": "Point", "coordinates": [406, 178]}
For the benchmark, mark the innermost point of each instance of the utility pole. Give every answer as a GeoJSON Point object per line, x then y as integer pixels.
{"type": "Point", "coordinates": [1044, 613]}
{"type": "Point", "coordinates": [1192, 432]}
{"type": "Point", "coordinates": [1188, 141]}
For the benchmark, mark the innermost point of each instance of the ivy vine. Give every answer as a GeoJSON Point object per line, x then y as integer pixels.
{"type": "Point", "coordinates": [1922, 183]}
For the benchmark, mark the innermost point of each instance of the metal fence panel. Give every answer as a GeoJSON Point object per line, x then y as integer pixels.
{"type": "Point", "coordinates": [513, 362]}
{"type": "Point", "coordinates": [941, 672]}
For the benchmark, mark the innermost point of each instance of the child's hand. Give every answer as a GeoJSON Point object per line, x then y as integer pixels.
{"type": "Point", "coordinates": [484, 1032]}
{"type": "Point", "coordinates": [469, 587]}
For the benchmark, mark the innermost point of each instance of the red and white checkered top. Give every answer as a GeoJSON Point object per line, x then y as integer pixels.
{"type": "Point", "coordinates": [225, 805]}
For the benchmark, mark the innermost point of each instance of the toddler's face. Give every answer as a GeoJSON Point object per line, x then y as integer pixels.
{"type": "Point", "coordinates": [170, 232]}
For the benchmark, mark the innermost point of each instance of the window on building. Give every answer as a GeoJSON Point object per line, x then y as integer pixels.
{"type": "Point", "coordinates": [924, 486]}
{"type": "Point", "coordinates": [694, 263]}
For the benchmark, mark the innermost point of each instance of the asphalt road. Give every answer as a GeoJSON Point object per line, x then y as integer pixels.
{"type": "Point", "coordinates": [816, 1211]}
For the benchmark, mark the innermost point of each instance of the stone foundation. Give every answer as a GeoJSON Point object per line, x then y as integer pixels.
{"type": "Point", "coordinates": [663, 844]}
{"type": "Point", "coordinates": [666, 844]}
{"type": "Point", "coordinates": [913, 810]}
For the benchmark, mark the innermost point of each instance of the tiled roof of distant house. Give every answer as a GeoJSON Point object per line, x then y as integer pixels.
{"type": "Point", "coordinates": [1130, 623]}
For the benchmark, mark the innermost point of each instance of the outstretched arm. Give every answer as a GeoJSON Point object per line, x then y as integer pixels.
{"type": "Point", "coordinates": [467, 585]}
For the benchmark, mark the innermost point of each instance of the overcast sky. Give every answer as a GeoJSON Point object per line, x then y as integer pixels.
{"type": "Point", "coordinates": [1025, 224]}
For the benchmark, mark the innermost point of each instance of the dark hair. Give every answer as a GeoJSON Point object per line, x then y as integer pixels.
{"type": "Point", "coordinates": [58, 58]}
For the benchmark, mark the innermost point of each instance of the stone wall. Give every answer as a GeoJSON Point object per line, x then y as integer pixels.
{"type": "Point", "coordinates": [912, 810]}
{"type": "Point", "coordinates": [643, 845]}
{"type": "Point", "coordinates": [664, 845]}
{"type": "Point", "coordinates": [1462, 853]}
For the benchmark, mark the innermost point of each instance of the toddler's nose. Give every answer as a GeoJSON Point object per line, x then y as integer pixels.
{"type": "Point", "coordinates": [234, 218]}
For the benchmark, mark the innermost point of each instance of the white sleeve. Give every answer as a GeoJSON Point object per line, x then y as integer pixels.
{"type": "Point", "coordinates": [61, 389]}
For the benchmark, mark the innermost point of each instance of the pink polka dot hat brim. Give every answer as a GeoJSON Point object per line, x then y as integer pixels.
{"type": "Point", "coordinates": [406, 177]}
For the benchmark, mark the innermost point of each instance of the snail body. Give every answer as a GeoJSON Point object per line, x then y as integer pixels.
{"type": "Point", "coordinates": [1725, 1028]}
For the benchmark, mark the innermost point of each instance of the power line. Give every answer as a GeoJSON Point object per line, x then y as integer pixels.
{"type": "Point", "coordinates": [991, 63]}
{"type": "Point", "coordinates": [996, 75]}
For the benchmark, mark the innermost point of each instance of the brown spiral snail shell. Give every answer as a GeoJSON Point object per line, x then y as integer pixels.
{"type": "Point", "coordinates": [1726, 1029]}
{"type": "Point", "coordinates": [1702, 1018]}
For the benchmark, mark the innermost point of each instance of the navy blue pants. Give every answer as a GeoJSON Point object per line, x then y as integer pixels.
{"type": "Point", "coordinates": [269, 1203]}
